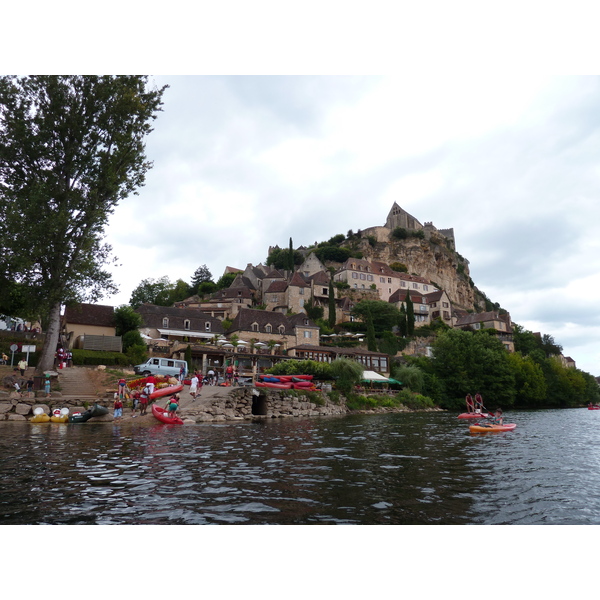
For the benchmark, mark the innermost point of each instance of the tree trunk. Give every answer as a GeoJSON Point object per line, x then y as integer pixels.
{"type": "Point", "coordinates": [46, 360]}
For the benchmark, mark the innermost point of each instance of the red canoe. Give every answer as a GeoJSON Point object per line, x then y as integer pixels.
{"type": "Point", "coordinates": [166, 391]}
{"type": "Point", "coordinates": [473, 415]}
{"type": "Point", "coordinates": [275, 386]}
{"type": "Point", "coordinates": [163, 416]}
{"type": "Point", "coordinates": [593, 407]}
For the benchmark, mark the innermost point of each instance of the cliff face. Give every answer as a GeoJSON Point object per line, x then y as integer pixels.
{"type": "Point", "coordinates": [431, 259]}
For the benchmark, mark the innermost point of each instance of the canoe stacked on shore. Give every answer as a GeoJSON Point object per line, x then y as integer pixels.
{"type": "Point", "coordinates": [287, 382]}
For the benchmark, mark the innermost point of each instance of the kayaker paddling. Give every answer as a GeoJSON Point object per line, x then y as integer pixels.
{"type": "Point", "coordinates": [470, 405]}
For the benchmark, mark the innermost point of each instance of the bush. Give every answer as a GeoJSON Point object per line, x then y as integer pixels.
{"type": "Point", "coordinates": [413, 400]}
{"type": "Point", "coordinates": [93, 357]}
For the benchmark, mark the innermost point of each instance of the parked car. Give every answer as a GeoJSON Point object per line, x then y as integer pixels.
{"type": "Point", "coordinates": [162, 366]}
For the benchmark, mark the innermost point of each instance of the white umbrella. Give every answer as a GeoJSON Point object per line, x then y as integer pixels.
{"type": "Point", "coordinates": [260, 344]}
{"type": "Point", "coordinates": [242, 342]}
{"type": "Point", "coordinates": [227, 345]}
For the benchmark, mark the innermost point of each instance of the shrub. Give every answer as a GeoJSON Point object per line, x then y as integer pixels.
{"type": "Point", "coordinates": [93, 357]}
{"type": "Point", "coordinates": [413, 400]}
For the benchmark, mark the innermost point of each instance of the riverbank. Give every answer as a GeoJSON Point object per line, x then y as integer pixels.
{"type": "Point", "coordinates": [214, 404]}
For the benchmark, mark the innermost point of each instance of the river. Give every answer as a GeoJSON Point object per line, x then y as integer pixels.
{"type": "Point", "coordinates": [403, 468]}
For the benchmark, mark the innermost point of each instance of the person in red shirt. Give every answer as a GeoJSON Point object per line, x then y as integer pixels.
{"type": "Point", "coordinates": [118, 409]}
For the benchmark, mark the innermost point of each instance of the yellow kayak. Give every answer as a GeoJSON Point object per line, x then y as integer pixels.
{"type": "Point", "coordinates": [42, 418]}
{"type": "Point", "coordinates": [491, 428]}
{"type": "Point", "coordinates": [60, 415]}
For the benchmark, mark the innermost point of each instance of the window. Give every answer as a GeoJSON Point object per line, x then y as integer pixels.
{"type": "Point", "coordinates": [274, 298]}
{"type": "Point", "coordinates": [446, 315]}
{"type": "Point", "coordinates": [207, 326]}
{"type": "Point", "coordinates": [403, 284]}
{"type": "Point", "coordinates": [389, 280]}
{"type": "Point", "coordinates": [445, 304]}
{"type": "Point", "coordinates": [354, 275]}
{"type": "Point", "coordinates": [416, 286]}
{"type": "Point", "coordinates": [426, 288]}
{"type": "Point", "coordinates": [155, 361]}
{"type": "Point", "coordinates": [369, 277]}
{"type": "Point", "coordinates": [433, 304]}
{"type": "Point", "coordinates": [363, 276]}
{"type": "Point", "coordinates": [254, 326]}
{"type": "Point", "coordinates": [165, 322]}
{"type": "Point", "coordinates": [308, 334]}
{"type": "Point", "coordinates": [306, 321]}
{"type": "Point", "coordinates": [382, 280]}
{"type": "Point", "coordinates": [301, 302]}
{"type": "Point", "coordinates": [325, 291]}
{"type": "Point", "coordinates": [356, 285]}
{"type": "Point", "coordinates": [268, 328]}
{"type": "Point", "coordinates": [186, 324]}
{"type": "Point", "coordinates": [301, 291]}
{"type": "Point", "coordinates": [170, 363]}
{"type": "Point", "coordinates": [281, 330]}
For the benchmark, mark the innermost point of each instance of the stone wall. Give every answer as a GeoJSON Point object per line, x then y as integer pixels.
{"type": "Point", "coordinates": [16, 407]}
{"type": "Point", "coordinates": [251, 403]}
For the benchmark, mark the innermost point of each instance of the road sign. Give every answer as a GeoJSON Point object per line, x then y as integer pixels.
{"type": "Point", "coordinates": [14, 347]}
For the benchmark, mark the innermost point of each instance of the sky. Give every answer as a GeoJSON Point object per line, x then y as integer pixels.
{"type": "Point", "coordinates": [242, 163]}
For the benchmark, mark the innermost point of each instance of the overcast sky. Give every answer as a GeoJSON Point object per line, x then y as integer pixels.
{"type": "Point", "coordinates": [244, 162]}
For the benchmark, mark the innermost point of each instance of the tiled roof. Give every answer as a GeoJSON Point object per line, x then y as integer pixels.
{"type": "Point", "coordinates": [298, 281]}
{"type": "Point", "coordinates": [153, 316]}
{"type": "Point", "coordinates": [485, 317]}
{"type": "Point", "coordinates": [277, 286]}
{"type": "Point", "coordinates": [416, 297]}
{"type": "Point", "coordinates": [247, 316]}
{"type": "Point", "coordinates": [90, 314]}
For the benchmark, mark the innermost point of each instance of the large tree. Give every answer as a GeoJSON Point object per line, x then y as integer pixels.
{"type": "Point", "coordinates": [71, 147]}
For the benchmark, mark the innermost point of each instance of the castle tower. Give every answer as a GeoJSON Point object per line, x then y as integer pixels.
{"type": "Point", "coordinates": [398, 217]}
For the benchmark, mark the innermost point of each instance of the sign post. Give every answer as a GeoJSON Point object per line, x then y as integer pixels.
{"type": "Point", "coordinates": [13, 349]}
{"type": "Point", "coordinates": [28, 349]}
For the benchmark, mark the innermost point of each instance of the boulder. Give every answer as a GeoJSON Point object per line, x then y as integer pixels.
{"type": "Point", "coordinates": [22, 409]}
{"type": "Point", "coordinates": [5, 407]}
{"type": "Point", "coordinates": [14, 417]}
{"type": "Point", "coordinates": [101, 368]}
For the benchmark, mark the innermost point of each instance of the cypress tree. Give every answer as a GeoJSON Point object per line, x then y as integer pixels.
{"type": "Point", "coordinates": [331, 320]}
{"type": "Point", "coordinates": [291, 256]}
{"type": "Point", "coordinates": [402, 322]}
{"type": "Point", "coordinates": [371, 342]}
{"type": "Point", "coordinates": [410, 315]}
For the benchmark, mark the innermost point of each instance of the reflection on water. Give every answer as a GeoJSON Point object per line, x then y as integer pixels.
{"type": "Point", "coordinates": [363, 469]}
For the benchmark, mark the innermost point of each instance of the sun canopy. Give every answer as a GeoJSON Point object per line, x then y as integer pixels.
{"type": "Point", "coordinates": [374, 377]}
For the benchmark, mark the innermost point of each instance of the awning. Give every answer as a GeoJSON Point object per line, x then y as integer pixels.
{"type": "Point", "coordinates": [391, 380]}
{"type": "Point", "coordinates": [372, 376]}
{"type": "Point", "coordinates": [194, 334]}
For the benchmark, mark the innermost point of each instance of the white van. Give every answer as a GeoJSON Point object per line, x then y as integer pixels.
{"type": "Point", "coordinates": [162, 366]}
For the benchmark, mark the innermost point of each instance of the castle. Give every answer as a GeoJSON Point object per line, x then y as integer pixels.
{"type": "Point", "coordinates": [398, 217]}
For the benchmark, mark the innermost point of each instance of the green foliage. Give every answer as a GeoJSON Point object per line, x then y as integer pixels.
{"type": "Point", "coordinates": [332, 253]}
{"type": "Point", "coordinates": [399, 267]}
{"type": "Point", "coordinates": [225, 280]}
{"type": "Point", "coordinates": [279, 258]}
{"type": "Point", "coordinates": [332, 318]}
{"type": "Point", "coordinates": [385, 316]}
{"type": "Point", "coordinates": [126, 319]}
{"type": "Point", "coordinates": [159, 291]}
{"type": "Point", "coordinates": [530, 383]}
{"type": "Point", "coordinates": [411, 377]}
{"type": "Point", "coordinates": [342, 285]}
{"type": "Point", "coordinates": [414, 401]}
{"type": "Point", "coordinates": [93, 357]}
{"type": "Point", "coordinates": [399, 233]}
{"type": "Point", "coordinates": [410, 315]}
{"type": "Point", "coordinates": [201, 275]}
{"type": "Point", "coordinates": [469, 363]}
{"type": "Point", "coordinates": [334, 396]}
{"type": "Point", "coordinates": [372, 240]}
{"type": "Point", "coordinates": [133, 338]}
{"type": "Point", "coordinates": [347, 374]}
{"type": "Point", "coordinates": [390, 343]}
{"type": "Point", "coordinates": [371, 343]}
{"type": "Point", "coordinates": [226, 323]}
{"type": "Point", "coordinates": [319, 370]}
{"type": "Point", "coordinates": [337, 239]}
{"type": "Point", "coordinates": [314, 313]}
{"type": "Point", "coordinates": [71, 148]}
{"type": "Point", "coordinates": [206, 287]}
{"type": "Point", "coordinates": [136, 354]}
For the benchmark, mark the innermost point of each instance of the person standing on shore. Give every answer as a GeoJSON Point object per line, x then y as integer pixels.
{"type": "Point", "coordinates": [22, 366]}
{"type": "Point", "coordinates": [47, 385]}
{"type": "Point", "coordinates": [194, 387]}
{"type": "Point", "coordinates": [118, 409]}
{"type": "Point", "coordinates": [151, 382]}
{"type": "Point", "coordinates": [144, 396]}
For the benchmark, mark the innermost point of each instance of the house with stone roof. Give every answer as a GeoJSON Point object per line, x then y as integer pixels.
{"type": "Point", "coordinates": [420, 304]}
{"type": "Point", "coordinates": [440, 307]}
{"type": "Point", "coordinates": [501, 322]}
{"type": "Point", "coordinates": [81, 320]}
{"type": "Point", "coordinates": [178, 324]}
{"type": "Point", "coordinates": [265, 325]}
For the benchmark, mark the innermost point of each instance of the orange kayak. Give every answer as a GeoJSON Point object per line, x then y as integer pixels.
{"type": "Point", "coordinates": [477, 428]}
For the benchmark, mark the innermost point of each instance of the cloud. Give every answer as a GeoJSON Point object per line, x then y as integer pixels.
{"type": "Point", "coordinates": [242, 163]}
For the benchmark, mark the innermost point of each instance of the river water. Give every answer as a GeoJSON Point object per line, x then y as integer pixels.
{"type": "Point", "coordinates": [405, 468]}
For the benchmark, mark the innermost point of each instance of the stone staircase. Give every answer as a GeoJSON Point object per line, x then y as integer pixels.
{"type": "Point", "coordinates": [75, 384]}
